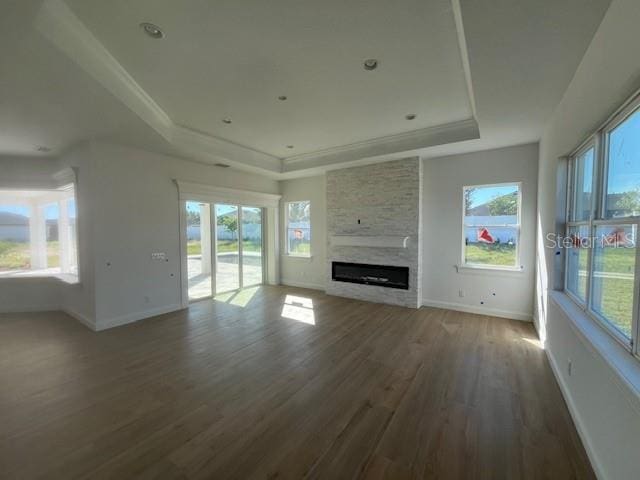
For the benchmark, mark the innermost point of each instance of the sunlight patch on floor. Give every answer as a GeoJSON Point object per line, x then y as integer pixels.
{"type": "Point", "coordinates": [299, 309]}
{"type": "Point", "coordinates": [535, 342]}
{"type": "Point", "coordinates": [239, 298]}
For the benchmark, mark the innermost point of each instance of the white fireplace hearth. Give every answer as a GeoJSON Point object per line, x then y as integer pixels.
{"type": "Point", "coordinates": [381, 241]}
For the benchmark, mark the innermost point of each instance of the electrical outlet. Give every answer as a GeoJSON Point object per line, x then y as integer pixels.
{"type": "Point", "coordinates": [461, 293]}
{"type": "Point", "coordinates": [569, 367]}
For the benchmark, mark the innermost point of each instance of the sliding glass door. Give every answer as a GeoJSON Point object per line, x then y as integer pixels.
{"type": "Point", "coordinates": [251, 227]}
{"type": "Point", "coordinates": [227, 248]}
{"type": "Point", "coordinates": [225, 239]}
{"type": "Point", "coordinates": [199, 261]}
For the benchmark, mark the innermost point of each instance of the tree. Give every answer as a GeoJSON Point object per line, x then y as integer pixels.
{"type": "Point", "coordinates": [468, 199]}
{"type": "Point", "coordinates": [229, 222]}
{"type": "Point", "coordinates": [630, 202]}
{"type": "Point", "coordinates": [504, 205]}
{"type": "Point", "coordinates": [299, 212]}
{"type": "Point", "coordinates": [193, 217]}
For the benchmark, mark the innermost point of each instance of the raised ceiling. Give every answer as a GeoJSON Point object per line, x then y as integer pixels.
{"type": "Point", "coordinates": [477, 75]}
{"type": "Point", "coordinates": [235, 58]}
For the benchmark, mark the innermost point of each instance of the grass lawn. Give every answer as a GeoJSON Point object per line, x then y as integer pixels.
{"type": "Point", "coordinates": [495, 255]}
{"type": "Point", "coordinates": [613, 297]}
{"type": "Point", "coordinates": [299, 247]}
{"type": "Point", "coordinates": [194, 247]}
{"type": "Point", "coordinates": [17, 255]}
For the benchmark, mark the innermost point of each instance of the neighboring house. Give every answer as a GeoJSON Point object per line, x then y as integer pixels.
{"type": "Point", "coordinates": [14, 227]}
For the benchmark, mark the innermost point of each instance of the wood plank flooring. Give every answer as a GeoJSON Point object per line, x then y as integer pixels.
{"type": "Point", "coordinates": [279, 382]}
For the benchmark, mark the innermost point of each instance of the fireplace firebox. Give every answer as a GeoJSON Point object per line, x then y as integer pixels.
{"type": "Point", "coordinates": [388, 276]}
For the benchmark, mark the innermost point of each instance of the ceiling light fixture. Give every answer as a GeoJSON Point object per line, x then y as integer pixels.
{"type": "Point", "coordinates": [370, 64]}
{"type": "Point", "coordinates": [282, 98]}
{"type": "Point", "coordinates": [289, 146]}
{"type": "Point", "coordinates": [411, 116]}
{"type": "Point", "coordinates": [42, 149]}
{"type": "Point", "coordinates": [152, 30]}
{"type": "Point", "coordinates": [226, 120]}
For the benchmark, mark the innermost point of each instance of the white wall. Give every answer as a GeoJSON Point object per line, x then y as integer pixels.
{"type": "Point", "coordinates": [127, 208]}
{"type": "Point", "coordinates": [136, 213]}
{"type": "Point", "coordinates": [306, 272]}
{"type": "Point", "coordinates": [608, 417]}
{"type": "Point", "coordinates": [444, 179]}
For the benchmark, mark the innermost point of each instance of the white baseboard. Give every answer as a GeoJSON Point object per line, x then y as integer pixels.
{"type": "Point", "coordinates": [575, 415]}
{"type": "Point", "coordinates": [493, 312]}
{"type": "Point", "coordinates": [87, 322]}
{"type": "Point", "coordinates": [295, 283]}
{"type": "Point", "coordinates": [134, 317]}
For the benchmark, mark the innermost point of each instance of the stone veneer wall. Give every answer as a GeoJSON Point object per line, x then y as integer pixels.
{"type": "Point", "coordinates": [386, 198]}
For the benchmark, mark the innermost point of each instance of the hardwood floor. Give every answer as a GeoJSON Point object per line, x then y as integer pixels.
{"type": "Point", "coordinates": [234, 389]}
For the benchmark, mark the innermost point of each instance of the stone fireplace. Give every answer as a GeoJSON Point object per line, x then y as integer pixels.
{"type": "Point", "coordinates": [373, 227]}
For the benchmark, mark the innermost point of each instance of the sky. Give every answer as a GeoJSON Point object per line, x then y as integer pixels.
{"type": "Point", "coordinates": [624, 156]}
{"type": "Point", "coordinates": [51, 211]}
{"type": "Point", "coordinates": [484, 194]}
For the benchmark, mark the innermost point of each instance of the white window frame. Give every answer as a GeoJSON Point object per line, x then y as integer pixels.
{"type": "Point", "coordinates": [286, 228]}
{"type": "Point", "coordinates": [69, 271]}
{"type": "Point", "coordinates": [599, 141]}
{"type": "Point", "coordinates": [517, 267]}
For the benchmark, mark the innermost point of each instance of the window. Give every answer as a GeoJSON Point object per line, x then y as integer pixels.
{"type": "Point", "coordinates": [602, 225]}
{"type": "Point", "coordinates": [38, 233]}
{"type": "Point", "coordinates": [298, 228]}
{"type": "Point", "coordinates": [491, 228]}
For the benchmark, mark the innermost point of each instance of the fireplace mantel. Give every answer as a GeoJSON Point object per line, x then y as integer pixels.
{"type": "Point", "coordinates": [375, 241]}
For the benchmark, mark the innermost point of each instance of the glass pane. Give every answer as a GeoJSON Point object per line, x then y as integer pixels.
{"type": "Point", "coordinates": [72, 235]}
{"type": "Point", "coordinates": [491, 246]}
{"type": "Point", "coordinates": [227, 248]}
{"type": "Point", "coordinates": [613, 275]}
{"type": "Point", "coordinates": [491, 219]}
{"type": "Point", "coordinates": [14, 238]}
{"type": "Point", "coordinates": [51, 215]}
{"type": "Point", "coordinates": [577, 261]}
{"type": "Point", "coordinates": [199, 250]}
{"type": "Point", "coordinates": [299, 228]}
{"type": "Point", "coordinates": [251, 246]}
{"type": "Point", "coordinates": [623, 176]}
{"type": "Point", "coordinates": [583, 185]}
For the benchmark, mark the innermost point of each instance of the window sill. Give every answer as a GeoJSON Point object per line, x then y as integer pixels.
{"type": "Point", "coordinates": [292, 255]}
{"type": "Point", "coordinates": [482, 269]}
{"type": "Point", "coordinates": [624, 365]}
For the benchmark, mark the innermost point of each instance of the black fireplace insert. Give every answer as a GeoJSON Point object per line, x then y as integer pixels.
{"type": "Point", "coordinates": [382, 275]}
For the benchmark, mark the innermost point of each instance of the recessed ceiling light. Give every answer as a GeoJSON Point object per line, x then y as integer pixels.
{"type": "Point", "coordinates": [370, 64]}
{"type": "Point", "coordinates": [411, 116]}
{"type": "Point", "coordinates": [152, 30]}
{"type": "Point", "coordinates": [43, 149]}
{"type": "Point", "coordinates": [226, 120]}
{"type": "Point", "coordinates": [222, 165]}
{"type": "Point", "coordinates": [282, 98]}
{"type": "Point", "coordinates": [289, 146]}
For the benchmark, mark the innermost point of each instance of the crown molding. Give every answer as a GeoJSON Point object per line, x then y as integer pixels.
{"type": "Point", "coordinates": [59, 25]}
{"type": "Point", "coordinates": [383, 146]}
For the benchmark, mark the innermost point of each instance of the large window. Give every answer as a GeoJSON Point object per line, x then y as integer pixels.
{"type": "Point", "coordinates": [491, 227]}
{"type": "Point", "coordinates": [602, 225]}
{"type": "Point", "coordinates": [298, 220]}
{"type": "Point", "coordinates": [38, 233]}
